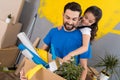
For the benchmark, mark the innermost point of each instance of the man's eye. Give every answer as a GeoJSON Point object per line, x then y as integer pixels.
{"type": "Point", "coordinates": [67, 17]}
{"type": "Point", "coordinates": [74, 19]}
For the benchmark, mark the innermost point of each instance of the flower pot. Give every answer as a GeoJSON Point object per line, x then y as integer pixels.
{"type": "Point", "coordinates": [8, 20]}
{"type": "Point", "coordinates": [103, 76]}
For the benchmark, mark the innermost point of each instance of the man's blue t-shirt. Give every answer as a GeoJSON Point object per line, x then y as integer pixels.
{"type": "Point", "coordinates": [63, 42]}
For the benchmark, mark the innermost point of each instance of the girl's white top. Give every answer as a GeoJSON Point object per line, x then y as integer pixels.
{"type": "Point", "coordinates": [86, 31]}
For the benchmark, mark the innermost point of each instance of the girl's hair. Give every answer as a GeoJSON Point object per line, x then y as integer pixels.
{"type": "Point", "coordinates": [97, 12]}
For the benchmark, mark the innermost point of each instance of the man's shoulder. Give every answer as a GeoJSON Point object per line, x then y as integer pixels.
{"type": "Point", "coordinates": [54, 29]}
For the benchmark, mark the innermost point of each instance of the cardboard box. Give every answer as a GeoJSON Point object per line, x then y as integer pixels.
{"type": "Point", "coordinates": [92, 74]}
{"type": "Point", "coordinates": [13, 7]}
{"type": "Point", "coordinates": [42, 74]}
{"type": "Point", "coordinates": [8, 34]}
{"type": "Point", "coordinates": [8, 56]}
{"type": "Point", "coordinates": [45, 74]}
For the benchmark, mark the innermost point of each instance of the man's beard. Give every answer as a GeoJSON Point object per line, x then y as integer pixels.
{"type": "Point", "coordinates": [69, 28]}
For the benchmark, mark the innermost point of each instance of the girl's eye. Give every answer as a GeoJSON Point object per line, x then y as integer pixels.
{"type": "Point", "coordinates": [90, 21]}
{"type": "Point", "coordinates": [86, 17]}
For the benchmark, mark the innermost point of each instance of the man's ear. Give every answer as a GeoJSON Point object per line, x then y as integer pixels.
{"type": "Point", "coordinates": [63, 14]}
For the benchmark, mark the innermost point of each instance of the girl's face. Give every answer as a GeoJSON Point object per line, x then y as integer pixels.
{"type": "Point", "coordinates": [88, 19]}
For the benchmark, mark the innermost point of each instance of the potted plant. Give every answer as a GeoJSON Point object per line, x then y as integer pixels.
{"type": "Point", "coordinates": [70, 71]}
{"type": "Point", "coordinates": [110, 64]}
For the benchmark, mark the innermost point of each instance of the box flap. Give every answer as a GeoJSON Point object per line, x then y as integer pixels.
{"type": "Point", "coordinates": [8, 36]}
{"type": "Point", "coordinates": [8, 56]}
{"type": "Point", "coordinates": [42, 74]}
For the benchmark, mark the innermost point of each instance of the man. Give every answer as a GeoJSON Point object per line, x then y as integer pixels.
{"type": "Point", "coordinates": [68, 38]}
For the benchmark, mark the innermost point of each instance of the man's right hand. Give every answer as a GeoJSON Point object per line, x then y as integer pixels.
{"type": "Point", "coordinates": [22, 75]}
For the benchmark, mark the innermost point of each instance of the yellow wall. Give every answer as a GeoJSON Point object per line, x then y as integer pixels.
{"type": "Point", "coordinates": [53, 9]}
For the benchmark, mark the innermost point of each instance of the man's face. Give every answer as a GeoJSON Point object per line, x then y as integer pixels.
{"type": "Point", "coordinates": [70, 19]}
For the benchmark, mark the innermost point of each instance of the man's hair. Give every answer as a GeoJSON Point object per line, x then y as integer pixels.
{"type": "Point", "coordinates": [73, 6]}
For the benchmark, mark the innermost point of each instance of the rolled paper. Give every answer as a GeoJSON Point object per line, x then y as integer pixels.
{"type": "Point", "coordinates": [36, 59]}
{"type": "Point", "coordinates": [25, 40]}
{"type": "Point", "coordinates": [27, 54]}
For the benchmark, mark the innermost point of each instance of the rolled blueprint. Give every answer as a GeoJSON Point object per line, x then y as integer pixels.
{"type": "Point", "coordinates": [27, 54]}
{"type": "Point", "coordinates": [24, 39]}
{"type": "Point", "coordinates": [32, 56]}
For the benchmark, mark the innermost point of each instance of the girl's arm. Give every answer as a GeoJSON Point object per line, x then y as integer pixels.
{"type": "Point", "coordinates": [82, 49]}
{"type": "Point", "coordinates": [59, 27]}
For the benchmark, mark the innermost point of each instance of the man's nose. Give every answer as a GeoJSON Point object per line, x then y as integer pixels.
{"type": "Point", "coordinates": [70, 22]}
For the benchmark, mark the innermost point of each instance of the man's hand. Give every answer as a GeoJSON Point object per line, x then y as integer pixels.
{"type": "Point", "coordinates": [22, 75]}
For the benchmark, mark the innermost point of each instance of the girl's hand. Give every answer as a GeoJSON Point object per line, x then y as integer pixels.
{"type": "Point", "coordinates": [59, 27]}
{"type": "Point", "coordinates": [67, 58]}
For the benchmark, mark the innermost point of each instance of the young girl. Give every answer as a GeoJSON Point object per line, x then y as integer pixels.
{"type": "Point", "coordinates": [88, 25]}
